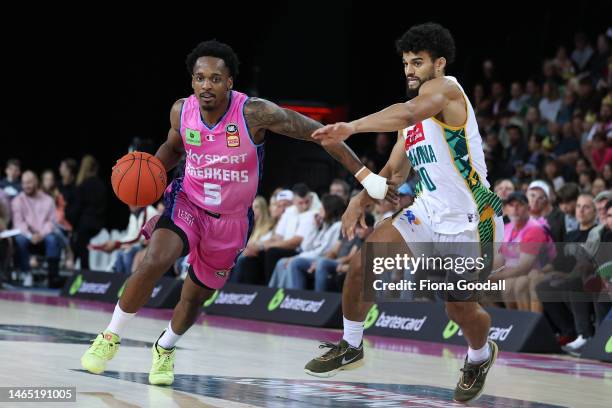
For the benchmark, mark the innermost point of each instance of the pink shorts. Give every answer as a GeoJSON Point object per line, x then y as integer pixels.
{"type": "Point", "coordinates": [215, 240]}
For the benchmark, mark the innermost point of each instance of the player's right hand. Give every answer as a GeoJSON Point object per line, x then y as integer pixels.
{"type": "Point", "coordinates": [355, 212]}
{"type": "Point", "coordinates": [336, 133]}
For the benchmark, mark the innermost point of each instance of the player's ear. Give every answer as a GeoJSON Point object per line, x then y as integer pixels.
{"type": "Point", "coordinates": [440, 64]}
{"type": "Point", "coordinates": [230, 83]}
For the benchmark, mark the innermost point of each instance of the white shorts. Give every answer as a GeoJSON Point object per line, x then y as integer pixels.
{"type": "Point", "coordinates": [415, 226]}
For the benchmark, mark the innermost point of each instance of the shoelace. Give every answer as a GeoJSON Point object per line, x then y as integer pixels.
{"type": "Point", "coordinates": [166, 361]}
{"type": "Point", "coordinates": [469, 373]}
{"type": "Point", "coordinates": [100, 347]}
{"type": "Point", "coordinates": [334, 348]}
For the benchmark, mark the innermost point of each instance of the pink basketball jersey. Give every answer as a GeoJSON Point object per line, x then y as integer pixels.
{"type": "Point", "coordinates": [223, 165]}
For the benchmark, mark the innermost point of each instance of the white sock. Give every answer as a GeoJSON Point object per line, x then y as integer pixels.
{"type": "Point", "coordinates": [480, 355]}
{"type": "Point", "coordinates": [119, 321]}
{"type": "Point", "coordinates": [353, 332]}
{"type": "Point", "coordinates": [169, 338]}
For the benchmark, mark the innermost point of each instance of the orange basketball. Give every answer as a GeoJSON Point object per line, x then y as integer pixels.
{"type": "Point", "coordinates": [138, 179]}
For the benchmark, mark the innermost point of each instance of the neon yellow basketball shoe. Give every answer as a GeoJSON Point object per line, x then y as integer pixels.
{"type": "Point", "coordinates": [162, 368]}
{"type": "Point", "coordinates": [104, 348]}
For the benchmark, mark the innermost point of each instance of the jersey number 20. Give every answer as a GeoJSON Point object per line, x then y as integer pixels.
{"type": "Point", "coordinates": [426, 179]}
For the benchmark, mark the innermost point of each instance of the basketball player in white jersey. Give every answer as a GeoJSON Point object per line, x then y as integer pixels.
{"type": "Point", "coordinates": [438, 136]}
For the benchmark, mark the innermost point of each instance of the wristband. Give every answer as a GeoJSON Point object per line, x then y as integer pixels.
{"type": "Point", "coordinates": [375, 185]}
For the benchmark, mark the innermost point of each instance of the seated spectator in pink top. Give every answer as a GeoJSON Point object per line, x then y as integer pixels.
{"type": "Point", "coordinates": [34, 215]}
{"type": "Point", "coordinates": [524, 243]}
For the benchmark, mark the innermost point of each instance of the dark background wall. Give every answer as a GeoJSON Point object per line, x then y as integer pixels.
{"type": "Point", "coordinates": [76, 85]}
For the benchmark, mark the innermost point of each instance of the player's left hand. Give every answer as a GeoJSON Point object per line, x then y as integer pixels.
{"type": "Point", "coordinates": [336, 133]}
{"type": "Point", "coordinates": [392, 195]}
{"type": "Point", "coordinates": [355, 213]}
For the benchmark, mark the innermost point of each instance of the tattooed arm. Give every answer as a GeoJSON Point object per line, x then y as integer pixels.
{"type": "Point", "coordinates": [261, 114]}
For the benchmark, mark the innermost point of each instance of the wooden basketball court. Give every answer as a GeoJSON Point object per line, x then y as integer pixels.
{"type": "Point", "coordinates": [225, 362]}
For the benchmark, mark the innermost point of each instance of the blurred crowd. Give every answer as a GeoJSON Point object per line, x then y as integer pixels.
{"type": "Point", "coordinates": [49, 219]}
{"type": "Point", "coordinates": [556, 125]}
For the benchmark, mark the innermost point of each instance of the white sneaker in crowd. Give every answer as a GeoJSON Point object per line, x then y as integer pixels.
{"type": "Point", "coordinates": [575, 347]}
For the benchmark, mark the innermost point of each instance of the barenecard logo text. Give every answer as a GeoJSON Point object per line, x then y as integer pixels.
{"type": "Point", "coordinates": [495, 333]}
{"type": "Point", "coordinates": [282, 301]}
{"type": "Point", "coordinates": [400, 322]}
{"type": "Point", "coordinates": [301, 305]}
{"type": "Point", "coordinates": [94, 288]}
{"type": "Point", "coordinates": [225, 298]}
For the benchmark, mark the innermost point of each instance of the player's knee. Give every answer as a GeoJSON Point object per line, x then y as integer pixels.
{"type": "Point", "coordinates": [459, 312]}
{"type": "Point", "coordinates": [207, 295]}
{"type": "Point", "coordinates": [453, 310]}
{"type": "Point", "coordinates": [155, 261]}
{"type": "Point", "coordinates": [197, 298]}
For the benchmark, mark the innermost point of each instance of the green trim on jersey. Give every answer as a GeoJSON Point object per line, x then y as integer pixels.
{"type": "Point", "coordinates": [418, 188]}
{"type": "Point", "coordinates": [487, 202]}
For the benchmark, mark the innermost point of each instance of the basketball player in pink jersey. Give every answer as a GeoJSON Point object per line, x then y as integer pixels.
{"type": "Point", "coordinates": [208, 212]}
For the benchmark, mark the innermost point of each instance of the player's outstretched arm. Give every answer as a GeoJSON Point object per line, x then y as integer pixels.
{"type": "Point", "coordinates": [433, 96]}
{"type": "Point", "coordinates": [263, 114]}
{"type": "Point", "coordinates": [172, 150]}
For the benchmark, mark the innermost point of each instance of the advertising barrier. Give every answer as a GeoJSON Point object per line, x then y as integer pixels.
{"type": "Point", "coordinates": [108, 287]}
{"type": "Point", "coordinates": [102, 286]}
{"type": "Point", "coordinates": [512, 330]}
{"type": "Point", "coordinates": [309, 308]}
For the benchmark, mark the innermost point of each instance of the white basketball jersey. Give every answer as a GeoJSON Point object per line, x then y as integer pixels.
{"type": "Point", "coordinates": [450, 162]}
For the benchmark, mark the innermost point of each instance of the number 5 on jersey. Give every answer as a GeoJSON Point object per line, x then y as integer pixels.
{"type": "Point", "coordinates": [212, 194]}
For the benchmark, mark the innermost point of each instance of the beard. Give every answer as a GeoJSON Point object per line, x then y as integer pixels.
{"type": "Point", "coordinates": [412, 93]}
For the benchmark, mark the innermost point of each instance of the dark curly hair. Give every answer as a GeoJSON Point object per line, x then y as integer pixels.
{"type": "Point", "coordinates": [214, 48]}
{"type": "Point", "coordinates": [429, 37]}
